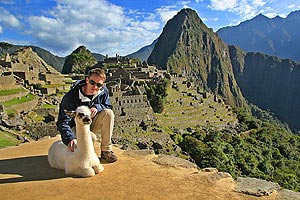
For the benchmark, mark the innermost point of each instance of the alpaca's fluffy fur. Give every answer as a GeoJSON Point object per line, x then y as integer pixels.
{"type": "Point", "coordinates": [83, 161]}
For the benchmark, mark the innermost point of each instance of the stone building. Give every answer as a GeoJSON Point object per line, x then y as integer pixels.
{"type": "Point", "coordinates": [130, 109]}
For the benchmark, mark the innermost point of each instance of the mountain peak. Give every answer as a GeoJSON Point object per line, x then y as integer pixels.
{"type": "Point", "coordinates": [260, 16]}
{"type": "Point", "coordinates": [189, 48]}
{"type": "Point", "coordinates": [79, 60]}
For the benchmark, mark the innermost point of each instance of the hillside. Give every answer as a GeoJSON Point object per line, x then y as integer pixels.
{"type": "Point", "coordinates": [25, 174]}
{"type": "Point", "coordinates": [274, 36]}
{"type": "Point", "coordinates": [52, 60]}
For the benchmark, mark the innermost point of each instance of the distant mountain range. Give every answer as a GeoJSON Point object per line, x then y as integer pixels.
{"type": "Point", "coordinates": [52, 60]}
{"type": "Point", "coordinates": [277, 36]}
{"type": "Point", "coordinates": [143, 53]}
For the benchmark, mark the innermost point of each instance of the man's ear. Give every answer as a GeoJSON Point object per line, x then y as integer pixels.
{"type": "Point", "coordinates": [70, 113]}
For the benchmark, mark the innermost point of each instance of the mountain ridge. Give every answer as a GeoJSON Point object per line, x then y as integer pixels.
{"type": "Point", "coordinates": [274, 36]}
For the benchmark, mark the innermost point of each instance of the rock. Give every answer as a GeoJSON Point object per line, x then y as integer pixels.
{"type": "Point", "coordinates": [143, 145]}
{"type": "Point", "coordinates": [256, 187]}
{"type": "Point", "coordinates": [217, 176]}
{"type": "Point", "coordinates": [173, 161]}
{"type": "Point", "coordinates": [17, 121]}
{"type": "Point", "coordinates": [209, 169]}
{"type": "Point", "coordinates": [138, 153]}
{"type": "Point", "coordinates": [288, 194]}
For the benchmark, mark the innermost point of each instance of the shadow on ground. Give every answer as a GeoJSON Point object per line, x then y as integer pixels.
{"type": "Point", "coordinates": [26, 169]}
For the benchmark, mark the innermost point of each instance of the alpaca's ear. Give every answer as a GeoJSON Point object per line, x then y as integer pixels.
{"type": "Point", "coordinates": [70, 113]}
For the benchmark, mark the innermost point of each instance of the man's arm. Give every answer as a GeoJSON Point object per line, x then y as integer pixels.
{"type": "Point", "coordinates": [65, 122]}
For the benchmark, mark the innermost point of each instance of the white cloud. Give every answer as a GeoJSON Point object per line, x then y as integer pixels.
{"type": "Point", "coordinates": [245, 9]}
{"type": "Point", "coordinates": [183, 3]}
{"type": "Point", "coordinates": [223, 4]}
{"type": "Point", "coordinates": [7, 1]}
{"type": "Point", "coordinates": [99, 25]}
{"type": "Point", "coordinates": [9, 20]}
{"type": "Point", "coordinates": [166, 13]}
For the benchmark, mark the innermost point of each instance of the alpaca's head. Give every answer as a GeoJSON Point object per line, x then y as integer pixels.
{"type": "Point", "coordinates": [82, 115]}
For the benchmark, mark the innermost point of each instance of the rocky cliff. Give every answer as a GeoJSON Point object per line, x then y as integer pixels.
{"type": "Point", "coordinates": [269, 82]}
{"type": "Point", "coordinates": [187, 47]}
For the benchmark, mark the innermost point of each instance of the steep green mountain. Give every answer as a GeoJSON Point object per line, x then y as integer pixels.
{"type": "Point", "coordinates": [274, 36]}
{"type": "Point", "coordinates": [143, 53]}
{"type": "Point", "coordinates": [52, 60]}
{"type": "Point", "coordinates": [78, 61]}
{"type": "Point", "coordinates": [187, 47]}
{"type": "Point", "coordinates": [269, 82]}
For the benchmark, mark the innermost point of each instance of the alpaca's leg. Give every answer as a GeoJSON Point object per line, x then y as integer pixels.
{"type": "Point", "coordinates": [87, 172]}
{"type": "Point", "coordinates": [94, 137]}
{"type": "Point", "coordinates": [96, 143]}
{"type": "Point", "coordinates": [98, 168]}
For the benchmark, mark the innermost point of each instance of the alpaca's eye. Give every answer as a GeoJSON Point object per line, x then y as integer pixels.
{"type": "Point", "coordinates": [80, 115]}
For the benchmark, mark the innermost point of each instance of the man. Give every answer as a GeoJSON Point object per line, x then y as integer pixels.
{"type": "Point", "coordinates": [93, 93]}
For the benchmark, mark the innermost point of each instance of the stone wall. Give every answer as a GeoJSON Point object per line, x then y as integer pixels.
{"type": "Point", "coordinates": [39, 130]}
{"type": "Point", "coordinates": [7, 82]}
{"type": "Point", "coordinates": [130, 111]}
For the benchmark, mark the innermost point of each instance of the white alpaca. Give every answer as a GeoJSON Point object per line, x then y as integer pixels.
{"type": "Point", "coordinates": [83, 161]}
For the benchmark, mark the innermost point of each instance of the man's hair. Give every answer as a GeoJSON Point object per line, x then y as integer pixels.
{"type": "Point", "coordinates": [97, 71]}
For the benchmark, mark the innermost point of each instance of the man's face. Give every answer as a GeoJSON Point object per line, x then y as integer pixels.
{"type": "Point", "coordinates": [94, 84]}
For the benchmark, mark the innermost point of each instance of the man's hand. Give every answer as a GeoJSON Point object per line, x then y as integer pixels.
{"type": "Point", "coordinates": [94, 111]}
{"type": "Point", "coordinates": [72, 145]}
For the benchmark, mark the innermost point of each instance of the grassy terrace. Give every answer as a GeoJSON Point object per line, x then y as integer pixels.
{"type": "Point", "coordinates": [20, 100]}
{"type": "Point", "coordinates": [53, 85]}
{"type": "Point", "coordinates": [183, 110]}
{"type": "Point", "coordinates": [11, 91]}
{"type": "Point", "coordinates": [7, 140]}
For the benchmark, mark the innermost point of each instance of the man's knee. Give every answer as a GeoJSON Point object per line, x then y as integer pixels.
{"type": "Point", "coordinates": [109, 113]}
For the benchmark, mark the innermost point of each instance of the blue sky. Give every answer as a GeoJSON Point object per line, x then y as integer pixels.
{"type": "Point", "coordinates": [117, 26]}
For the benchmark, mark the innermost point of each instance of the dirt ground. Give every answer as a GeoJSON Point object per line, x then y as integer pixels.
{"type": "Point", "coordinates": [25, 174]}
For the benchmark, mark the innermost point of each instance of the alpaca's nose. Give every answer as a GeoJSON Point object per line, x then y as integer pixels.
{"type": "Point", "coordinates": [87, 120]}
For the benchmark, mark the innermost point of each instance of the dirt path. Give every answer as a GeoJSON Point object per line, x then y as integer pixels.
{"type": "Point", "coordinates": [25, 174]}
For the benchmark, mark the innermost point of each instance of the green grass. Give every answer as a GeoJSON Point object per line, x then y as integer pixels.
{"type": "Point", "coordinates": [12, 91]}
{"type": "Point", "coordinates": [33, 116]}
{"type": "Point", "coordinates": [53, 85]}
{"type": "Point", "coordinates": [7, 140]}
{"type": "Point", "coordinates": [49, 106]}
{"type": "Point", "coordinates": [16, 101]}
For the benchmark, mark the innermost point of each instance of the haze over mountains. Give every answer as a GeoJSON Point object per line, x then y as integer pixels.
{"type": "Point", "coordinates": [276, 36]}
{"type": "Point", "coordinates": [187, 47]}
